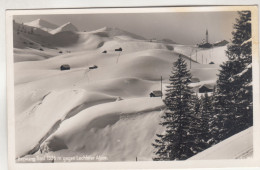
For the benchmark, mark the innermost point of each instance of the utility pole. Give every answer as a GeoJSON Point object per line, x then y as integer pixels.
{"type": "Point", "coordinates": [196, 55]}
{"type": "Point", "coordinates": [190, 57]}
{"type": "Point", "coordinates": [207, 36]}
{"type": "Point", "coordinates": [202, 58]}
{"type": "Point", "coordinates": [190, 61]}
{"type": "Point", "coordinates": [161, 87]}
{"type": "Point", "coordinates": [118, 56]}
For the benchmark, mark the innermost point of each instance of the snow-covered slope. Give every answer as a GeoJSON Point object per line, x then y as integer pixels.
{"type": "Point", "coordinates": [65, 27]}
{"type": "Point", "coordinates": [43, 122]}
{"type": "Point", "coordinates": [238, 146]}
{"type": "Point", "coordinates": [115, 32]}
{"type": "Point", "coordinates": [217, 55]}
{"type": "Point", "coordinates": [106, 110]}
{"type": "Point", "coordinates": [118, 126]}
{"type": "Point", "coordinates": [42, 24]}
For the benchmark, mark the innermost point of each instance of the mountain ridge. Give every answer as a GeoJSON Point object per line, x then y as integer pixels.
{"type": "Point", "coordinates": [42, 24]}
{"type": "Point", "coordinates": [65, 27]}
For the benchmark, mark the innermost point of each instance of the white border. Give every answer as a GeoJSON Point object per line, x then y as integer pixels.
{"type": "Point", "coordinates": [186, 164]}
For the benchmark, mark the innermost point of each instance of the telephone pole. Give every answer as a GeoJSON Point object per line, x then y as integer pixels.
{"type": "Point", "coordinates": [196, 55]}
{"type": "Point", "coordinates": [207, 36]}
{"type": "Point", "coordinates": [161, 87]}
{"type": "Point", "coordinates": [190, 61]}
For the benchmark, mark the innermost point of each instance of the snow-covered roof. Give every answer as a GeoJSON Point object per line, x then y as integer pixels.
{"type": "Point", "coordinates": [209, 86]}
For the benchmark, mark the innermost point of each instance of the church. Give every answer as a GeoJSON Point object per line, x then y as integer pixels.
{"type": "Point", "coordinates": [205, 44]}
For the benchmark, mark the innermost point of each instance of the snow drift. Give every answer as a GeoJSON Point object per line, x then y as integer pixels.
{"type": "Point", "coordinates": [109, 129]}
{"type": "Point", "coordinates": [238, 146]}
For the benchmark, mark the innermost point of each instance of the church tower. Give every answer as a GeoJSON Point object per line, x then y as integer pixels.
{"type": "Point", "coordinates": [207, 36]}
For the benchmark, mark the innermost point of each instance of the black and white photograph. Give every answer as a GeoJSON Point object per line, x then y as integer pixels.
{"type": "Point", "coordinates": [119, 86]}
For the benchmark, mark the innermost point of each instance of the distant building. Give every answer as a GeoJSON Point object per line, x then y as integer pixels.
{"type": "Point", "coordinates": [156, 93]}
{"type": "Point", "coordinates": [221, 43]}
{"type": "Point", "coordinates": [93, 67]}
{"type": "Point", "coordinates": [118, 49]}
{"type": "Point", "coordinates": [205, 44]}
{"type": "Point", "coordinates": [206, 88]}
{"type": "Point", "coordinates": [65, 67]}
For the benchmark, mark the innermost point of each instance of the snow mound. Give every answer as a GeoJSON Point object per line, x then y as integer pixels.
{"type": "Point", "coordinates": [65, 27]}
{"type": "Point", "coordinates": [42, 24]}
{"type": "Point", "coordinates": [122, 87]}
{"type": "Point", "coordinates": [111, 128]}
{"type": "Point", "coordinates": [130, 46]}
{"type": "Point", "coordinates": [44, 116]}
{"type": "Point", "coordinates": [238, 146]}
{"type": "Point", "coordinates": [27, 54]}
{"type": "Point", "coordinates": [107, 39]}
{"type": "Point", "coordinates": [115, 32]}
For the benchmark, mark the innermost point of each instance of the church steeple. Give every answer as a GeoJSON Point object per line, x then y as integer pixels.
{"type": "Point", "coordinates": [207, 36]}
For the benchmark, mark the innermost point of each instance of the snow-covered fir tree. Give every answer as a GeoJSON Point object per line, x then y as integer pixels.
{"type": "Point", "coordinates": [206, 110]}
{"type": "Point", "coordinates": [203, 110]}
{"type": "Point", "coordinates": [233, 99]}
{"type": "Point", "coordinates": [180, 134]}
{"type": "Point", "coordinates": [196, 104]}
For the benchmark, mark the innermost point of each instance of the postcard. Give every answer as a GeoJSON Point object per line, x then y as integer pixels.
{"type": "Point", "coordinates": [133, 88]}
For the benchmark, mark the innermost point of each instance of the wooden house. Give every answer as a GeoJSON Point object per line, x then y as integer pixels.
{"type": "Point", "coordinates": [64, 67]}
{"type": "Point", "coordinates": [206, 88]}
{"type": "Point", "coordinates": [156, 93]}
{"type": "Point", "coordinates": [93, 67]}
{"type": "Point", "coordinates": [118, 49]}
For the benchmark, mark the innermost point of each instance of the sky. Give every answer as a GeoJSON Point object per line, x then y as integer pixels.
{"type": "Point", "coordinates": [181, 27]}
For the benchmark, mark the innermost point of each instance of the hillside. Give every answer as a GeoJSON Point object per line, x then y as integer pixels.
{"type": "Point", "coordinates": [42, 24]}
{"type": "Point", "coordinates": [103, 110]}
{"type": "Point", "coordinates": [238, 146]}
{"type": "Point", "coordinates": [65, 27]}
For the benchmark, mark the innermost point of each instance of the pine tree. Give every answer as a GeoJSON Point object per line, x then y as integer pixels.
{"type": "Point", "coordinates": [196, 104]}
{"type": "Point", "coordinates": [206, 120]}
{"type": "Point", "coordinates": [31, 32]}
{"type": "Point", "coordinates": [196, 125]}
{"type": "Point", "coordinates": [178, 140]}
{"type": "Point", "coordinates": [233, 97]}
